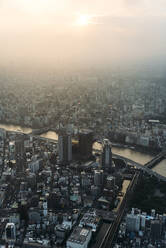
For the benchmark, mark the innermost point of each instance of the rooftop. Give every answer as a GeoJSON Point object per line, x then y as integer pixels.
{"type": "Point", "coordinates": [79, 235]}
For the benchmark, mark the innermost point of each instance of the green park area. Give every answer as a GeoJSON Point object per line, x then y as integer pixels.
{"type": "Point", "coordinates": [150, 194]}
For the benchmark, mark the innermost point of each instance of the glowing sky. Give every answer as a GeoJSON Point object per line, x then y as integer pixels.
{"type": "Point", "coordinates": [82, 29]}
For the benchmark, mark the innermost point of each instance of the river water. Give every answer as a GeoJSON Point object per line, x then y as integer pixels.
{"type": "Point", "coordinates": [134, 155]}
{"type": "Point", "coordinates": [16, 128]}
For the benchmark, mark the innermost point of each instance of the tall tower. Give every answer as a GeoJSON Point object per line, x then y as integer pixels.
{"type": "Point", "coordinates": [65, 147]}
{"type": "Point", "coordinates": [106, 158]}
{"type": "Point", "coordinates": [85, 143]}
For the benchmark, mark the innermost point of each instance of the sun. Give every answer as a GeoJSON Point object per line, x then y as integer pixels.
{"type": "Point", "coordinates": [83, 20]}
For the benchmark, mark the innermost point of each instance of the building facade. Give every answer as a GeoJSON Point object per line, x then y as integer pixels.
{"type": "Point", "coordinates": [106, 157]}
{"type": "Point", "coordinates": [65, 148]}
{"type": "Point", "coordinates": [85, 143]}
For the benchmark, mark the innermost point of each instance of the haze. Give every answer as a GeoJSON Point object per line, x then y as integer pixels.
{"type": "Point", "coordinates": [48, 31]}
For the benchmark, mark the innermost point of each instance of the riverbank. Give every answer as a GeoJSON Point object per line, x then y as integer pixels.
{"type": "Point", "coordinates": [135, 153]}
{"type": "Point", "coordinates": [53, 135]}
{"type": "Point", "coordinates": [145, 150]}
{"type": "Point", "coordinates": [15, 124]}
{"type": "Point", "coordinates": [15, 128]}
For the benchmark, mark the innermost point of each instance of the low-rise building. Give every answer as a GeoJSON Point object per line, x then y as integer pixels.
{"type": "Point", "coordinates": [79, 238]}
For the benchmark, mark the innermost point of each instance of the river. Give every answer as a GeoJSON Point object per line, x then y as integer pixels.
{"type": "Point", "coordinates": [14, 128]}
{"type": "Point", "coordinates": [139, 157]}
{"type": "Point", "coordinates": [134, 155]}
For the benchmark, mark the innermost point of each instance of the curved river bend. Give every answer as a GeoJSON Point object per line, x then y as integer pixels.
{"type": "Point", "coordinates": [139, 157]}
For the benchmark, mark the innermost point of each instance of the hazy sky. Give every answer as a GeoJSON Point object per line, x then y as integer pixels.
{"type": "Point", "coordinates": [48, 31]}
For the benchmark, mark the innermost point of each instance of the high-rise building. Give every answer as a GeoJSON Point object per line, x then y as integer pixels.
{"type": "Point", "coordinates": [98, 178]}
{"type": "Point", "coordinates": [155, 229]}
{"type": "Point", "coordinates": [106, 158]}
{"type": "Point", "coordinates": [85, 143]}
{"type": "Point", "coordinates": [133, 222]}
{"type": "Point", "coordinates": [65, 148]}
{"type": "Point", "coordinates": [10, 232]}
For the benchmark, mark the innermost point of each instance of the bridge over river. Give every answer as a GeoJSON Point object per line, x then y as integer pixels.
{"type": "Point", "coordinates": [140, 166]}
{"type": "Point", "coordinates": [151, 164]}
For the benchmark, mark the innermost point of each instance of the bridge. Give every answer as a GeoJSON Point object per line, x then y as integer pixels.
{"type": "Point", "coordinates": [151, 164]}
{"type": "Point", "coordinates": [140, 166]}
{"type": "Point", "coordinates": [137, 165]}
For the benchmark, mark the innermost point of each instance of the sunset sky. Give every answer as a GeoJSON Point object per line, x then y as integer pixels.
{"type": "Point", "coordinates": [82, 30]}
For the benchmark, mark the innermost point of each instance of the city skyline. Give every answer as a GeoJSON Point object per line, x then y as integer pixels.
{"type": "Point", "coordinates": [82, 123]}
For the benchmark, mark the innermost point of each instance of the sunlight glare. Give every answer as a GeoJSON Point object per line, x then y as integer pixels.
{"type": "Point", "coordinates": [83, 20]}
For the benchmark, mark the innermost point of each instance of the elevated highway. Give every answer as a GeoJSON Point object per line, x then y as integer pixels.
{"type": "Point", "coordinates": [107, 241]}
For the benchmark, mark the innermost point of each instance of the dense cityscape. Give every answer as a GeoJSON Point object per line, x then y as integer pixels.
{"type": "Point", "coordinates": [126, 108]}
{"type": "Point", "coordinates": [68, 192]}
{"type": "Point", "coordinates": [82, 124]}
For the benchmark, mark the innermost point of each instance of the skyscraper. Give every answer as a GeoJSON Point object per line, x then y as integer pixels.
{"type": "Point", "coordinates": [98, 178]}
{"type": "Point", "coordinates": [64, 147]}
{"type": "Point", "coordinates": [106, 157]}
{"type": "Point", "coordinates": [85, 143]}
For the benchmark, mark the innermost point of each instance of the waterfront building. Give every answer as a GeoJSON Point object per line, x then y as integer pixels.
{"type": "Point", "coordinates": [85, 143]}
{"type": "Point", "coordinates": [106, 157]}
{"type": "Point", "coordinates": [65, 147]}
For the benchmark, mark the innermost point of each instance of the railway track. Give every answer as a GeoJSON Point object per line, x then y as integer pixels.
{"type": "Point", "coordinates": [110, 234]}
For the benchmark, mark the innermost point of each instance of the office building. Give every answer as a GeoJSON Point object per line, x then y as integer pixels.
{"type": "Point", "coordinates": [133, 222]}
{"type": "Point", "coordinates": [65, 148]}
{"type": "Point", "coordinates": [85, 143]}
{"type": "Point", "coordinates": [156, 229]}
{"type": "Point", "coordinates": [98, 177]}
{"type": "Point", "coordinates": [106, 157]}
